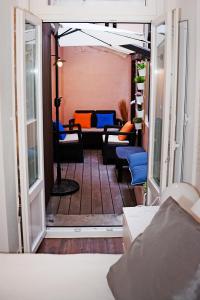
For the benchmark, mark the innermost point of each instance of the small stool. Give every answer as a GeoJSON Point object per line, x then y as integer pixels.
{"type": "Point", "coordinates": [122, 155]}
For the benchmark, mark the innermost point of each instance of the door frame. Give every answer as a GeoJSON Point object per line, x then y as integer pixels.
{"type": "Point", "coordinates": [166, 111]}
{"type": "Point", "coordinates": [27, 197]}
{"type": "Point", "coordinates": [169, 109]}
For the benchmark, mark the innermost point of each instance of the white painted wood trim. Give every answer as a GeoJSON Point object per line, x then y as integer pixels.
{"type": "Point", "coordinates": [23, 4]}
{"type": "Point", "coordinates": [166, 107]}
{"type": "Point", "coordinates": [22, 136]}
{"type": "Point", "coordinates": [98, 11]}
{"type": "Point", "coordinates": [174, 96]}
{"type": "Point", "coordinates": [151, 181]}
{"type": "Point", "coordinates": [83, 232]}
{"type": "Point", "coordinates": [196, 150]}
{"type": "Point", "coordinates": [28, 194]}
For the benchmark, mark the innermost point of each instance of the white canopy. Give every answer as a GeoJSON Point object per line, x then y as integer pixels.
{"type": "Point", "coordinates": [86, 34]}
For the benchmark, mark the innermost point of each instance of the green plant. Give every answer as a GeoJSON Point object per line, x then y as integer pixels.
{"type": "Point", "coordinates": [141, 66]}
{"type": "Point", "coordinates": [137, 120]}
{"type": "Point", "coordinates": [145, 187]}
{"type": "Point", "coordinates": [139, 79]}
{"type": "Point", "coordinates": [139, 107]}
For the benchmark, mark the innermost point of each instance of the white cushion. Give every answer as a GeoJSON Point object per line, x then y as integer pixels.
{"type": "Point", "coordinates": [137, 219]}
{"type": "Point", "coordinates": [51, 277]}
{"type": "Point", "coordinates": [113, 139]}
{"type": "Point", "coordinates": [94, 129]}
{"type": "Point", "coordinates": [70, 138]}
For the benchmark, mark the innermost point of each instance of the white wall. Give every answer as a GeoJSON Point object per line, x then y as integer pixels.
{"type": "Point", "coordinates": [196, 162]}
{"type": "Point", "coordinates": [8, 210]}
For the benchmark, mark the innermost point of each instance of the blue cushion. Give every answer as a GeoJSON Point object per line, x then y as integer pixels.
{"type": "Point", "coordinates": [124, 152]}
{"type": "Point", "coordinates": [138, 165]}
{"type": "Point", "coordinates": [105, 119]}
{"type": "Point", "coordinates": [60, 128]}
{"type": "Point", "coordinates": [138, 159]}
{"type": "Point", "coordinates": [138, 174]}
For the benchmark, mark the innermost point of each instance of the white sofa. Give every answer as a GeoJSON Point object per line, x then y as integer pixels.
{"type": "Point", "coordinates": [55, 277]}
{"type": "Point", "coordinates": [63, 277]}
{"type": "Point", "coordinates": [71, 277]}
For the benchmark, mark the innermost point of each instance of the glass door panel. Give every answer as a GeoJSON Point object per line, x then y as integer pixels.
{"type": "Point", "coordinates": [159, 99]}
{"type": "Point", "coordinates": [31, 100]}
{"type": "Point", "coordinates": [32, 153]}
{"type": "Point", "coordinates": [181, 103]}
{"type": "Point", "coordinates": [30, 49]}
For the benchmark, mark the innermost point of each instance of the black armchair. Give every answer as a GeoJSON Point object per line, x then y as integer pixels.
{"type": "Point", "coordinates": [111, 141]}
{"type": "Point", "coordinates": [71, 148]}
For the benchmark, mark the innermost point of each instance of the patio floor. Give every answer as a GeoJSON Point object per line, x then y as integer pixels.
{"type": "Point", "coordinates": [99, 194]}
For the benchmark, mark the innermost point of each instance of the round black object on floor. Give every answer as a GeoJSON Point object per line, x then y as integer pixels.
{"type": "Point", "coordinates": [66, 187]}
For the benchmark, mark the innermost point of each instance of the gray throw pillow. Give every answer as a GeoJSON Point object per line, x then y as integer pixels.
{"type": "Point", "coordinates": [160, 262]}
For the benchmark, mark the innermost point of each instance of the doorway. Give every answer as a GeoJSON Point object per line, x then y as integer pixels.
{"type": "Point", "coordinates": [24, 203]}
{"type": "Point", "coordinates": [101, 197]}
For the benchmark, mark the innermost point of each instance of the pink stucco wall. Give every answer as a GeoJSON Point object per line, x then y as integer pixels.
{"type": "Point", "coordinates": [93, 78]}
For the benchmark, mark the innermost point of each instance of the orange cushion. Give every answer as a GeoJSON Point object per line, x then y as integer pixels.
{"type": "Point", "coordinates": [84, 119]}
{"type": "Point", "coordinates": [128, 127]}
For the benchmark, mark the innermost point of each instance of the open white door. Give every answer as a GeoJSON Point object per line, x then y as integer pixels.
{"type": "Point", "coordinates": [28, 41]}
{"type": "Point", "coordinates": [178, 131]}
{"type": "Point", "coordinates": [163, 100]}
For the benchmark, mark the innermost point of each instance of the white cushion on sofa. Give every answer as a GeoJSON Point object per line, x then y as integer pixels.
{"type": "Point", "coordinates": [70, 138]}
{"type": "Point", "coordinates": [94, 129]}
{"type": "Point", "coordinates": [113, 139]}
{"type": "Point", "coordinates": [51, 277]}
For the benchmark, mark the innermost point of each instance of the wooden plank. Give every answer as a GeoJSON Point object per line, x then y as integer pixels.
{"type": "Point", "coordinates": [139, 194]}
{"type": "Point", "coordinates": [107, 202]}
{"type": "Point", "coordinates": [86, 220]}
{"type": "Point", "coordinates": [115, 190]}
{"type": "Point", "coordinates": [75, 246]}
{"type": "Point", "coordinates": [64, 167]}
{"type": "Point", "coordinates": [52, 207]}
{"type": "Point", "coordinates": [75, 203]}
{"type": "Point", "coordinates": [54, 172]}
{"type": "Point", "coordinates": [99, 191]}
{"type": "Point", "coordinates": [127, 193]}
{"type": "Point", "coordinates": [86, 205]}
{"type": "Point", "coordinates": [96, 187]}
{"type": "Point", "coordinates": [65, 200]}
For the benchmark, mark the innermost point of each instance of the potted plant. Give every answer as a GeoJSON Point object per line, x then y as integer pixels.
{"type": "Point", "coordinates": [140, 82]}
{"type": "Point", "coordinates": [140, 111]}
{"type": "Point", "coordinates": [139, 98]}
{"type": "Point", "coordinates": [138, 123]}
{"type": "Point", "coordinates": [141, 69]}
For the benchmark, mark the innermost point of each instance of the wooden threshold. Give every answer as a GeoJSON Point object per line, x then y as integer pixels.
{"type": "Point", "coordinates": [84, 220]}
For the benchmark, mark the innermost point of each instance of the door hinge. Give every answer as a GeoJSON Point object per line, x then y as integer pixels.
{"type": "Point", "coordinates": [167, 160]}
{"type": "Point", "coordinates": [19, 210]}
{"type": "Point", "coordinates": [176, 145]}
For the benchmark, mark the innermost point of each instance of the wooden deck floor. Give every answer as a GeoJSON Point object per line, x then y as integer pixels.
{"type": "Point", "coordinates": [99, 193]}
{"type": "Point", "coordinates": [76, 246]}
